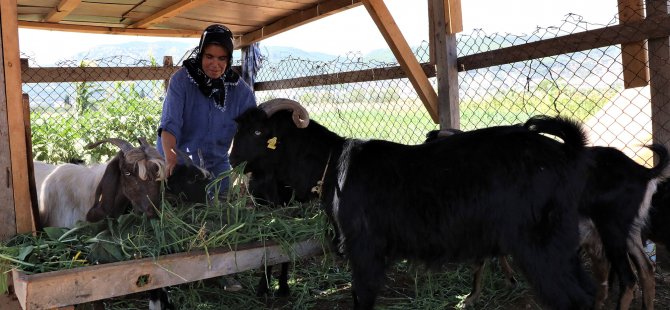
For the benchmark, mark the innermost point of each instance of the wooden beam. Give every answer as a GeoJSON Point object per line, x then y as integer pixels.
{"type": "Point", "coordinates": [650, 27]}
{"type": "Point", "coordinates": [168, 12]}
{"type": "Point", "coordinates": [111, 30]}
{"type": "Point", "coordinates": [31, 168]}
{"type": "Point", "coordinates": [95, 74]}
{"type": "Point", "coordinates": [403, 53]}
{"type": "Point", "coordinates": [367, 75]}
{"type": "Point", "coordinates": [446, 60]}
{"type": "Point", "coordinates": [7, 211]}
{"type": "Point", "coordinates": [17, 138]}
{"type": "Point", "coordinates": [321, 10]}
{"type": "Point", "coordinates": [64, 8]}
{"type": "Point", "coordinates": [633, 55]}
{"type": "Point", "coordinates": [659, 72]}
{"type": "Point", "coordinates": [86, 284]}
{"type": "Point", "coordinates": [453, 15]}
{"type": "Point", "coordinates": [431, 30]}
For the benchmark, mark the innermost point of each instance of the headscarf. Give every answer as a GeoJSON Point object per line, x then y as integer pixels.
{"type": "Point", "coordinates": [212, 88]}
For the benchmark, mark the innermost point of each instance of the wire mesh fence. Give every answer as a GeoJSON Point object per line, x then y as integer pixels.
{"type": "Point", "coordinates": [586, 85]}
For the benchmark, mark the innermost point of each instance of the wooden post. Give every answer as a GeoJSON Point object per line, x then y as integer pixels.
{"type": "Point", "coordinates": [659, 73]}
{"type": "Point", "coordinates": [403, 53]}
{"type": "Point", "coordinates": [633, 55]}
{"type": "Point", "coordinates": [17, 174]}
{"type": "Point", "coordinates": [167, 62]}
{"type": "Point", "coordinates": [446, 61]}
{"type": "Point", "coordinates": [31, 168]}
{"type": "Point", "coordinates": [7, 212]}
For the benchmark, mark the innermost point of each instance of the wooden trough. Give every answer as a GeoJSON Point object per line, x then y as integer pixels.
{"type": "Point", "coordinates": [85, 284]}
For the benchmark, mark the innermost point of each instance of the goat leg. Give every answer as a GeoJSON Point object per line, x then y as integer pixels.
{"type": "Point", "coordinates": [477, 271]}
{"type": "Point", "coordinates": [645, 271]}
{"type": "Point", "coordinates": [264, 282]}
{"type": "Point", "coordinates": [283, 290]}
{"type": "Point", "coordinates": [508, 271]}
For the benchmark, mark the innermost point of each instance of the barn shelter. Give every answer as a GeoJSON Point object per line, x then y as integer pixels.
{"type": "Point", "coordinates": [251, 21]}
{"type": "Point", "coordinates": [643, 40]}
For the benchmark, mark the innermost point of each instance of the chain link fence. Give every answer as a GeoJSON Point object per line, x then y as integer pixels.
{"type": "Point", "coordinates": [587, 85]}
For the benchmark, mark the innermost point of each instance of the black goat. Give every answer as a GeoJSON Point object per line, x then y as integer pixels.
{"type": "Point", "coordinates": [657, 228]}
{"type": "Point", "coordinates": [488, 192]}
{"type": "Point", "coordinates": [615, 204]}
{"type": "Point", "coordinates": [617, 199]}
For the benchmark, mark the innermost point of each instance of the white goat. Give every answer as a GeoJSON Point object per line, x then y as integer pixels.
{"type": "Point", "coordinates": [66, 192]}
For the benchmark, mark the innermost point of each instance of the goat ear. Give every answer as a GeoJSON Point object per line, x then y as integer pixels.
{"type": "Point", "coordinates": [107, 192]}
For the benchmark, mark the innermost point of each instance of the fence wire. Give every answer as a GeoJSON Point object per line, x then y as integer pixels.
{"type": "Point", "coordinates": [586, 85]}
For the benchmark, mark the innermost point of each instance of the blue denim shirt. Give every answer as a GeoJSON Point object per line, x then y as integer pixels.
{"type": "Point", "coordinates": [198, 123]}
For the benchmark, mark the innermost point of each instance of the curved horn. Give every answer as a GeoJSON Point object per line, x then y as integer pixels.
{"type": "Point", "coordinates": [122, 144]}
{"type": "Point", "coordinates": [448, 132]}
{"type": "Point", "coordinates": [143, 141]}
{"type": "Point", "coordinates": [187, 159]}
{"type": "Point", "coordinates": [300, 115]}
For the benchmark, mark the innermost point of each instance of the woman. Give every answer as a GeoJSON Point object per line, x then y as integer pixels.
{"type": "Point", "coordinates": [203, 99]}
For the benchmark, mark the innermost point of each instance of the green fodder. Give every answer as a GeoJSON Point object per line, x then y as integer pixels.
{"type": "Point", "coordinates": [179, 227]}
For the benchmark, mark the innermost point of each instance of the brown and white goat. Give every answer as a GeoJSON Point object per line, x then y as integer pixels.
{"type": "Point", "coordinates": [67, 192]}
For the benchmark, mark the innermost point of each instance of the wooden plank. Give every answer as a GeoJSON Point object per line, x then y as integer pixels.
{"type": "Point", "coordinates": [447, 72]}
{"type": "Point", "coordinates": [167, 13]}
{"type": "Point", "coordinates": [453, 15]}
{"type": "Point", "coordinates": [64, 8]}
{"type": "Point", "coordinates": [633, 55]}
{"type": "Point", "coordinates": [321, 10]}
{"type": "Point", "coordinates": [29, 151]}
{"type": "Point", "coordinates": [112, 30]}
{"type": "Point", "coordinates": [95, 74]}
{"type": "Point", "coordinates": [651, 27]}
{"type": "Point", "coordinates": [86, 284]}
{"type": "Point", "coordinates": [7, 212]}
{"type": "Point", "coordinates": [403, 53]}
{"type": "Point", "coordinates": [367, 75]}
{"type": "Point", "coordinates": [17, 138]}
{"type": "Point", "coordinates": [659, 72]}
{"type": "Point", "coordinates": [431, 30]}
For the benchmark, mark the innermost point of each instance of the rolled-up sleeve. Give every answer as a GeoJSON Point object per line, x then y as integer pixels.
{"type": "Point", "coordinates": [173, 105]}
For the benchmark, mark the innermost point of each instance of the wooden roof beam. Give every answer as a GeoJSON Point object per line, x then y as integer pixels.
{"type": "Point", "coordinates": [111, 30]}
{"type": "Point", "coordinates": [64, 8]}
{"type": "Point", "coordinates": [321, 10]}
{"type": "Point", "coordinates": [167, 12]}
{"type": "Point", "coordinates": [403, 53]}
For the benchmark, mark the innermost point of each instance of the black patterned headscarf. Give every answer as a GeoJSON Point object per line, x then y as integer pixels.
{"type": "Point", "coordinates": [212, 88]}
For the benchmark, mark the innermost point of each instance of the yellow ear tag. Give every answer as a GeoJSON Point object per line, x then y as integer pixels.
{"type": "Point", "coordinates": [272, 143]}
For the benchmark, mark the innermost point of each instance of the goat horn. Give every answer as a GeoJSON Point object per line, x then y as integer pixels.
{"type": "Point", "coordinates": [187, 159]}
{"type": "Point", "coordinates": [143, 141]}
{"type": "Point", "coordinates": [202, 161]}
{"type": "Point", "coordinates": [122, 144]}
{"type": "Point", "coordinates": [448, 132]}
{"type": "Point", "coordinates": [300, 115]}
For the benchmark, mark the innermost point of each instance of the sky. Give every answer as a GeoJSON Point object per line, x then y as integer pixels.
{"type": "Point", "coordinates": [353, 30]}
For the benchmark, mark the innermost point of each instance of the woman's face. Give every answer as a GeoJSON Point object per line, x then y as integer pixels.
{"type": "Point", "coordinates": [214, 61]}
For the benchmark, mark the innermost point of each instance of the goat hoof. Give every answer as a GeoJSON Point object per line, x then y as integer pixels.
{"type": "Point", "coordinates": [283, 291]}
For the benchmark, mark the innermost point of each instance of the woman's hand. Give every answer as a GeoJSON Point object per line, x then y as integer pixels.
{"type": "Point", "coordinates": [169, 143]}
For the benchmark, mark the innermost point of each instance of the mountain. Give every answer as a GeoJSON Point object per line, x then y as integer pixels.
{"type": "Point", "coordinates": [138, 50]}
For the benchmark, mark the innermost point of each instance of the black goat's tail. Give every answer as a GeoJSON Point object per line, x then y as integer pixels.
{"type": "Point", "coordinates": [663, 159]}
{"type": "Point", "coordinates": [570, 131]}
